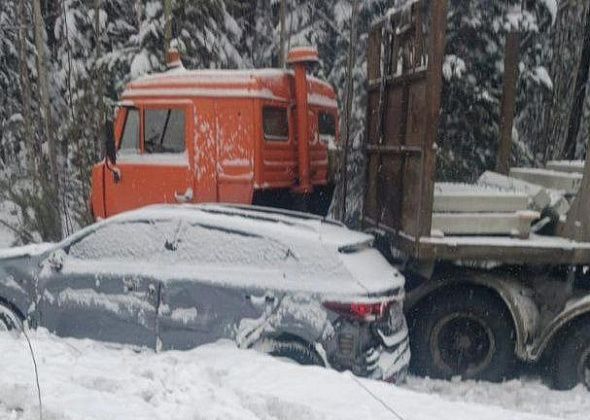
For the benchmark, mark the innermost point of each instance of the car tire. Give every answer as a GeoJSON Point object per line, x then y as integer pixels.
{"type": "Point", "coordinates": [9, 319]}
{"type": "Point", "coordinates": [292, 349]}
{"type": "Point", "coordinates": [465, 333]}
{"type": "Point", "coordinates": [571, 363]}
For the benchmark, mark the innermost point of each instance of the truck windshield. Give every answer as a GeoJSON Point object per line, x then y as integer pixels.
{"type": "Point", "coordinates": [164, 131]}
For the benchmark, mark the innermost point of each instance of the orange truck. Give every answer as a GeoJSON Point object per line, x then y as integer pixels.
{"type": "Point", "coordinates": [265, 137]}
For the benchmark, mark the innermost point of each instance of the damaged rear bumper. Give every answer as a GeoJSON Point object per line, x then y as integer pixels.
{"type": "Point", "coordinates": [378, 350]}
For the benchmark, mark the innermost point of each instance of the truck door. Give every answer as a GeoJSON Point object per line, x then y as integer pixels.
{"type": "Point", "coordinates": [153, 159]}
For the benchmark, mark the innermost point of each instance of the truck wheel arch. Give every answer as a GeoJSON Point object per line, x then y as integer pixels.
{"type": "Point", "coordinates": [563, 323]}
{"type": "Point", "coordinates": [523, 311]}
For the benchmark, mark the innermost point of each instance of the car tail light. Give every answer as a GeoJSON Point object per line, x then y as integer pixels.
{"type": "Point", "coordinates": [364, 311]}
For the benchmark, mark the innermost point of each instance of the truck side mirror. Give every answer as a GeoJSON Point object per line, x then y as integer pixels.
{"type": "Point", "coordinates": [109, 140]}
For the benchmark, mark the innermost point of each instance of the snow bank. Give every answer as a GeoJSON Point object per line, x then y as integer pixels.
{"type": "Point", "coordinates": [525, 395]}
{"type": "Point", "coordinates": [83, 379]}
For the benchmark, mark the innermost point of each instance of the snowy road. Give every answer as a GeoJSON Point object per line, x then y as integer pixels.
{"type": "Point", "coordinates": [82, 379]}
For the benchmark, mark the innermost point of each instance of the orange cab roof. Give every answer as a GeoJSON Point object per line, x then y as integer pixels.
{"type": "Point", "coordinates": [270, 84]}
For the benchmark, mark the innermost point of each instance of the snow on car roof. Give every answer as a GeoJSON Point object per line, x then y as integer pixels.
{"type": "Point", "coordinates": [316, 255]}
{"type": "Point", "coordinates": [274, 223]}
{"type": "Point", "coordinates": [325, 256]}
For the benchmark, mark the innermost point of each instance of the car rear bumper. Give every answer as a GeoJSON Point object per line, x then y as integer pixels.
{"type": "Point", "coordinates": [378, 350]}
{"type": "Point", "coordinates": [394, 357]}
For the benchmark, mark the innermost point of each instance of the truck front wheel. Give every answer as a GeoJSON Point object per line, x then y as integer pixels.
{"type": "Point", "coordinates": [465, 333]}
{"type": "Point", "coordinates": [572, 358]}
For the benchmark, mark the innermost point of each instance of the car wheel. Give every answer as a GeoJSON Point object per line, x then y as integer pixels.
{"type": "Point", "coordinates": [295, 350]}
{"type": "Point", "coordinates": [572, 359]}
{"type": "Point", "coordinates": [463, 333]}
{"type": "Point", "coordinates": [9, 320]}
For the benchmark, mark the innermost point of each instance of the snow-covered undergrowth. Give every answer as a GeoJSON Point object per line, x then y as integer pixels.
{"type": "Point", "coordinates": [83, 379]}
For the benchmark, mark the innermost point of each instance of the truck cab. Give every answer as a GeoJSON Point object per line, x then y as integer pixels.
{"type": "Point", "coordinates": [264, 136]}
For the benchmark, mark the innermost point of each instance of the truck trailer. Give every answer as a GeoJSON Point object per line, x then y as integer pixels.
{"type": "Point", "coordinates": [477, 302]}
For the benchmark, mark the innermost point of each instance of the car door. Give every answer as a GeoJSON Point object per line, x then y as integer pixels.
{"type": "Point", "coordinates": [221, 286]}
{"type": "Point", "coordinates": [105, 284]}
{"type": "Point", "coordinates": [154, 158]}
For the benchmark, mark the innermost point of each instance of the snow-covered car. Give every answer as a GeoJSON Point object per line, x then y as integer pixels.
{"type": "Point", "coordinates": [175, 277]}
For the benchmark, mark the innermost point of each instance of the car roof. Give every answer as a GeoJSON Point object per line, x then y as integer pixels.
{"type": "Point", "coordinates": [266, 221]}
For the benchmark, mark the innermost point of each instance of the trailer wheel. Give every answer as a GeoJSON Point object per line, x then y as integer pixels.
{"type": "Point", "coordinates": [572, 359]}
{"type": "Point", "coordinates": [462, 333]}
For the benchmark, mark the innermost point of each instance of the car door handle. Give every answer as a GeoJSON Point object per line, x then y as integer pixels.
{"type": "Point", "coordinates": [185, 197]}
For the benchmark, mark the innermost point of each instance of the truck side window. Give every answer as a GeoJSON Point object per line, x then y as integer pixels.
{"type": "Point", "coordinates": [275, 123]}
{"type": "Point", "coordinates": [164, 131]}
{"type": "Point", "coordinates": [327, 124]}
{"type": "Point", "coordinates": [130, 138]}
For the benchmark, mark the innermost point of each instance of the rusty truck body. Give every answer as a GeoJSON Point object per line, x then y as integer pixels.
{"type": "Point", "coordinates": [476, 304]}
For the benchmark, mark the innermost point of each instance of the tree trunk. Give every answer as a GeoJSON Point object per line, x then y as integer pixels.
{"type": "Point", "coordinates": [283, 16]}
{"type": "Point", "coordinates": [348, 111]}
{"type": "Point", "coordinates": [508, 102]}
{"type": "Point", "coordinates": [43, 82]}
{"type": "Point", "coordinates": [50, 180]}
{"type": "Point", "coordinates": [565, 53]}
{"type": "Point", "coordinates": [101, 114]}
{"type": "Point", "coordinates": [569, 149]}
{"type": "Point", "coordinates": [168, 24]}
{"type": "Point", "coordinates": [25, 82]}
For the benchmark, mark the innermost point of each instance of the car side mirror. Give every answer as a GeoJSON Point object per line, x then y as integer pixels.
{"type": "Point", "coordinates": [56, 260]}
{"type": "Point", "coordinates": [109, 141]}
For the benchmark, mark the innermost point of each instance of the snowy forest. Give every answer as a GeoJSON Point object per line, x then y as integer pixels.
{"type": "Point", "coordinates": [63, 64]}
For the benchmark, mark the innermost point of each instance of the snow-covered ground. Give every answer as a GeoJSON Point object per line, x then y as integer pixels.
{"type": "Point", "coordinates": [83, 379]}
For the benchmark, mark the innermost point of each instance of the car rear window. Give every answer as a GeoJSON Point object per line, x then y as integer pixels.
{"type": "Point", "coordinates": [276, 123]}
{"type": "Point", "coordinates": [211, 244]}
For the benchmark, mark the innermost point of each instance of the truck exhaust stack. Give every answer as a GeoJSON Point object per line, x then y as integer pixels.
{"type": "Point", "coordinates": [173, 59]}
{"type": "Point", "coordinates": [300, 58]}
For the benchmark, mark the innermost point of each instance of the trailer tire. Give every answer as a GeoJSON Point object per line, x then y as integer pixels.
{"type": "Point", "coordinates": [467, 333]}
{"type": "Point", "coordinates": [571, 364]}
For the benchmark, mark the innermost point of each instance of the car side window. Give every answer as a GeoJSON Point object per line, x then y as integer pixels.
{"type": "Point", "coordinates": [216, 245]}
{"type": "Point", "coordinates": [137, 240]}
{"type": "Point", "coordinates": [275, 123]}
{"type": "Point", "coordinates": [164, 131]}
{"type": "Point", "coordinates": [130, 139]}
